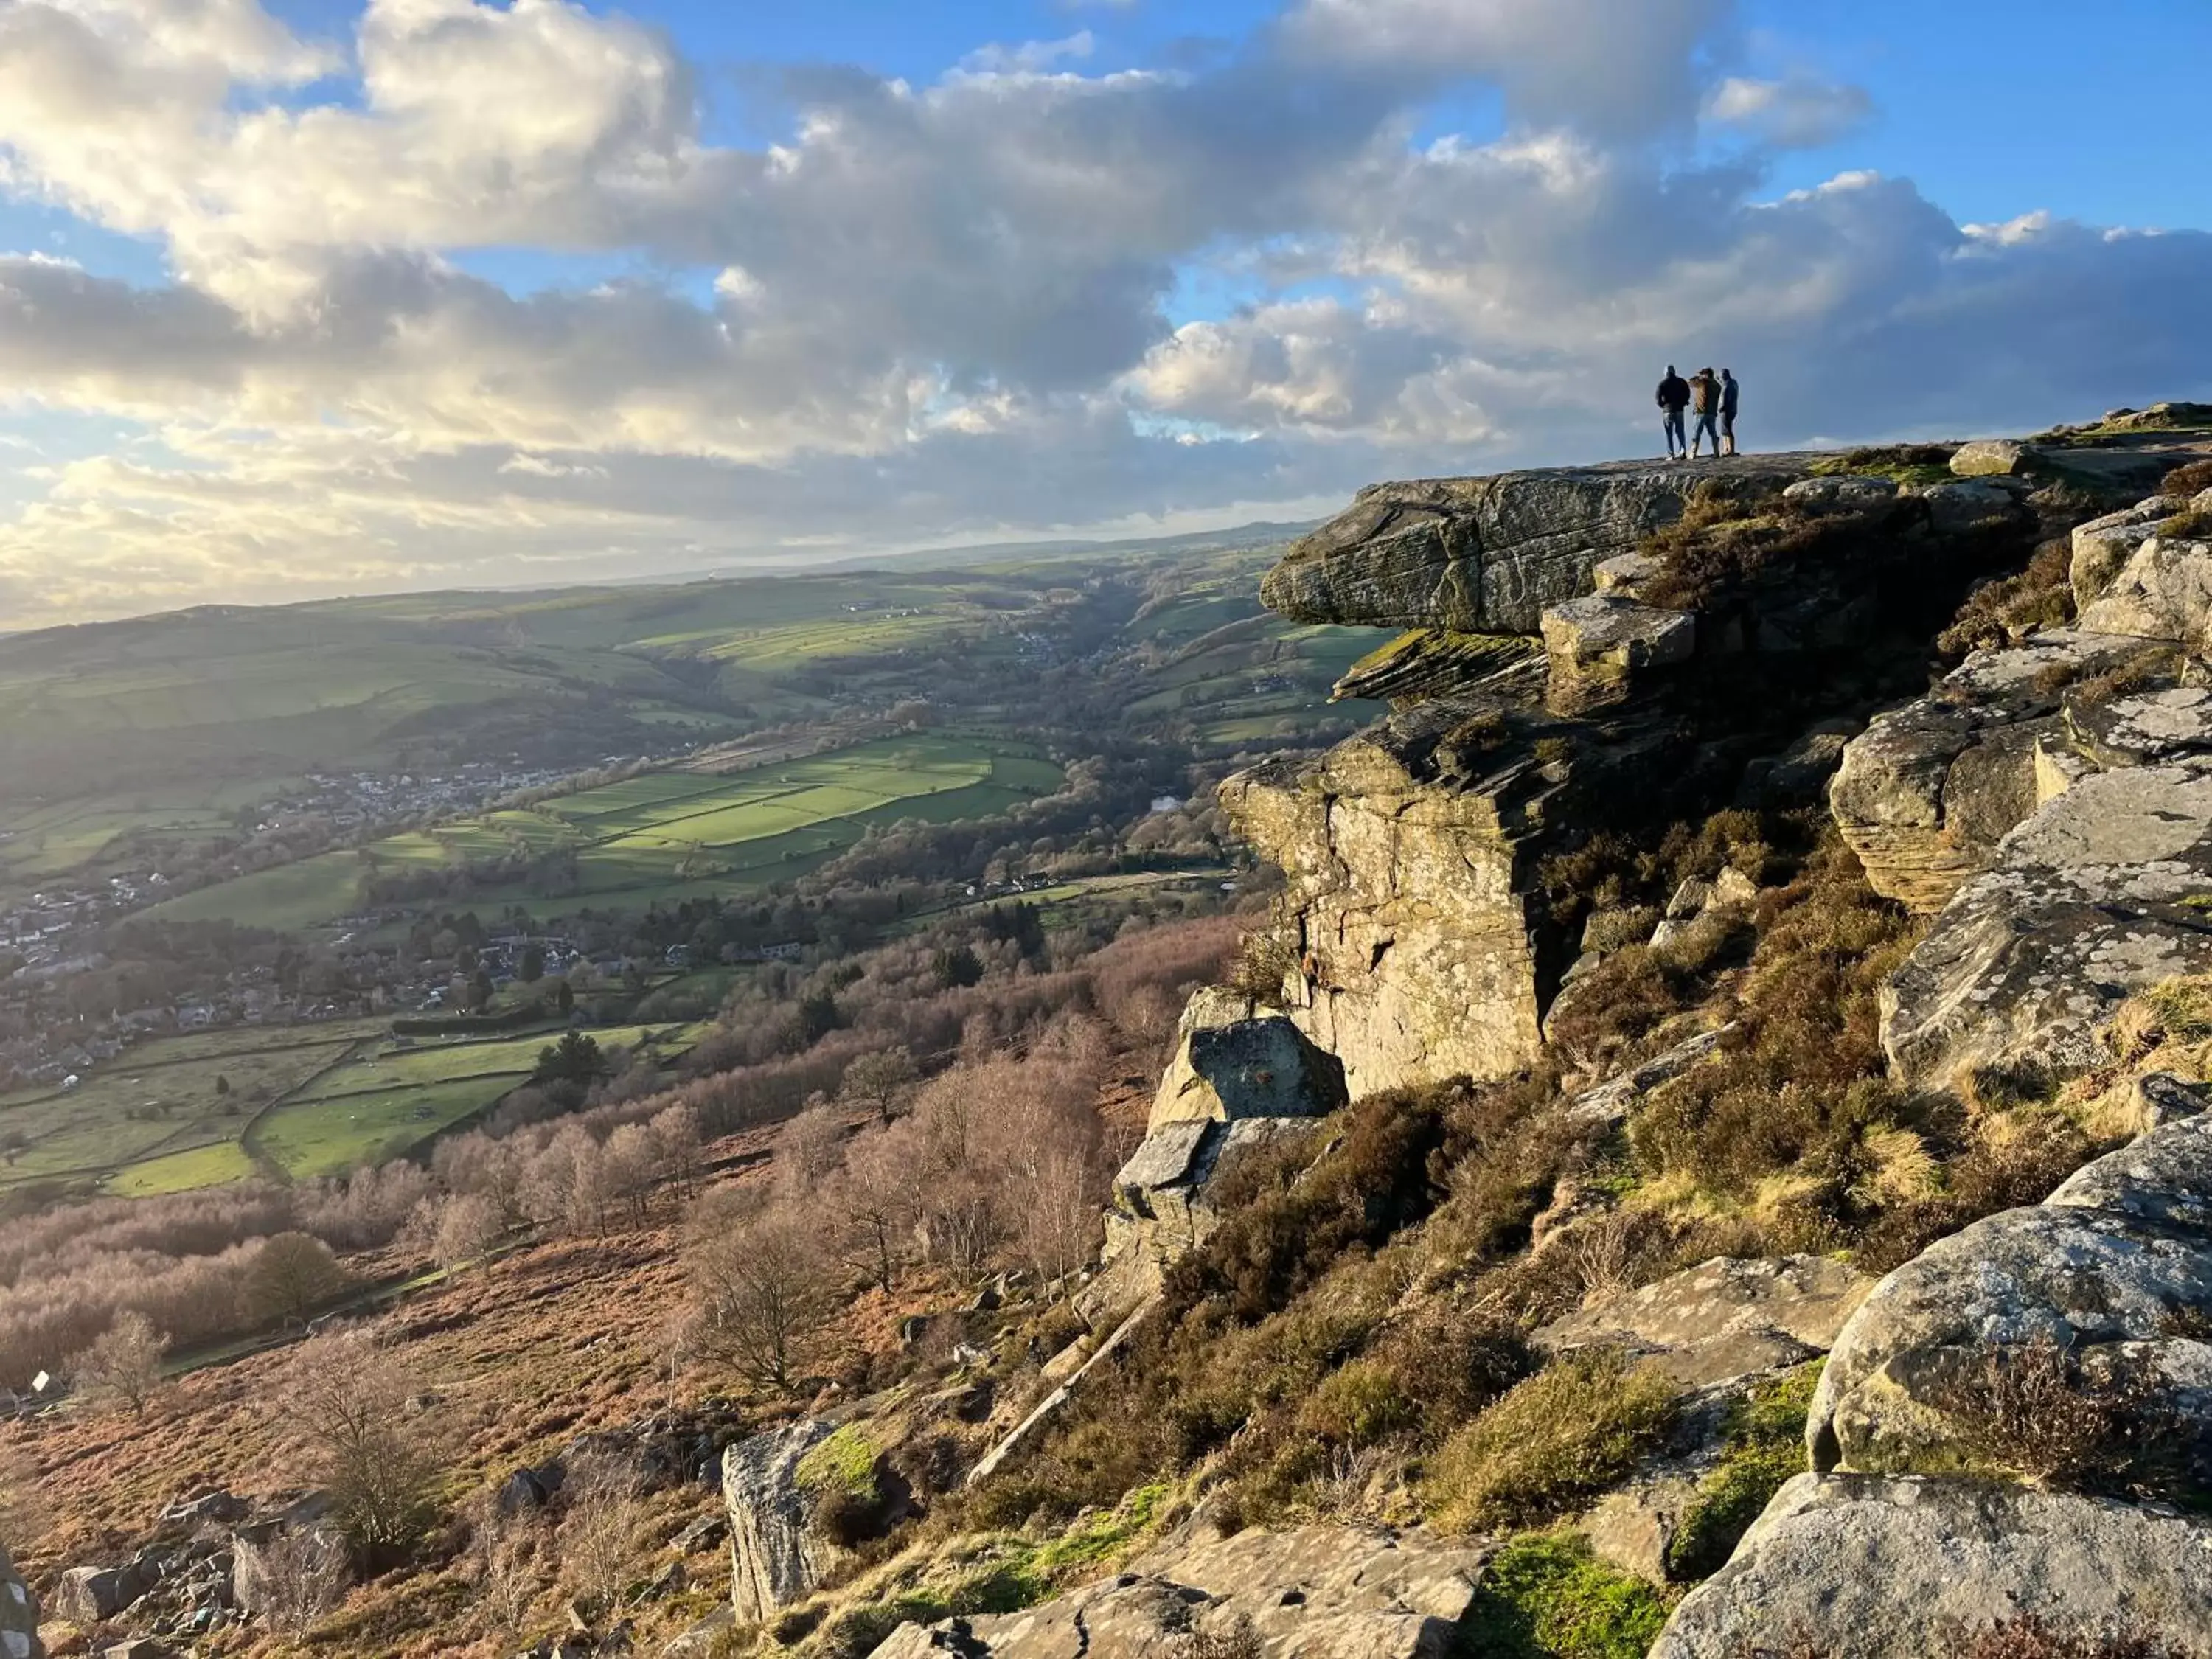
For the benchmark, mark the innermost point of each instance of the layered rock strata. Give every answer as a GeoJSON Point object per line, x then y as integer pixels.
{"type": "Point", "coordinates": [1315, 1593]}
{"type": "Point", "coordinates": [1487, 556]}
{"type": "Point", "coordinates": [2052, 803]}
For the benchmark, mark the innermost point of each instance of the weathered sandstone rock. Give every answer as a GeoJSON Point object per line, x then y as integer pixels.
{"type": "Point", "coordinates": [1842, 492]}
{"type": "Point", "coordinates": [2087, 903]}
{"type": "Point", "coordinates": [1233, 1060]}
{"type": "Point", "coordinates": [1601, 648]}
{"type": "Point", "coordinates": [1316, 1593]}
{"type": "Point", "coordinates": [777, 1551]}
{"type": "Point", "coordinates": [2112, 1269]}
{"type": "Point", "coordinates": [1726, 1318]}
{"type": "Point", "coordinates": [1489, 554]}
{"type": "Point", "coordinates": [1430, 662]}
{"type": "Point", "coordinates": [1928, 791]}
{"type": "Point", "coordinates": [1407, 850]}
{"type": "Point", "coordinates": [2102, 547]}
{"type": "Point", "coordinates": [2164, 591]}
{"type": "Point", "coordinates": [1903, 1569]}
{"type": "Point", "coordinates": [1993, 457]}
{"type": "Point", "coordinates": [88, 1595]}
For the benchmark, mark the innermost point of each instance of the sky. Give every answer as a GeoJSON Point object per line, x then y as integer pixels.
{"type": "Point", "coordinates": [306, 297]}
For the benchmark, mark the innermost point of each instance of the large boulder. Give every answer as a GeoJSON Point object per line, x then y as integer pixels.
{"type": "Point", "coordinates": [1724, 1319]}
{"type": "Point", "coordinates": [1320, 1592]}
{"type": "Point", "coordinates": [1990, 458]}
{"type": "Point", "coordinates": [1487, 556]}
{"type": "Point", "coordinates": [2092, 899]}
{"type": "Point", "coordinates": [91, 1595]}
{"type": "Point", "coordinates": [2101, 548]}
{"type": "Point", "coordinates": [778, 1552]}
{"type": "Point", "coordinates": [19, 1614]}
{"type": "Point", "coordinates": [2164, 591]}
{"type": "Point", "coordinates": [1877, 1568]}
{"type": "Point", "coordinates": [2114, 1271]}
{"type": "Point", "coordinates": [1235, 1059]}
{"type": "Point", "coordinates": [1926, 793]}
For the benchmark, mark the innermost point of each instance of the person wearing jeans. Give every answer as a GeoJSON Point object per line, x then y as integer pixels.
{"type": "Point", "coordinates": [1674, 395]}
{"type": "Point", "coordinates": [1728, 411]}
{"type": "Point", "coordinates": [1705, 404]}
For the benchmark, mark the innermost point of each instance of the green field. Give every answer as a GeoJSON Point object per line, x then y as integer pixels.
{"type": "Point", "coordinates": [661, 836]}
{"type": "Point", "coordinates": [302, 1101]}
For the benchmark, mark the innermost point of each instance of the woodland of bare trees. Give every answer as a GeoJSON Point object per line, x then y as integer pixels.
{"type": "Point", "coordinates": [936, 1122]}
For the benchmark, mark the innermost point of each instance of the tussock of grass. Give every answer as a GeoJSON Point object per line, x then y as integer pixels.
{"type": "Point", "coordinates": [2006, 611]}
{"type": "Point", "coordinates": [1550, 1443]}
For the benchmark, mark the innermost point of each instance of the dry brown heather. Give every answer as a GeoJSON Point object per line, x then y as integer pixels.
{"type": "Point", "coordinates": [526, 1353]}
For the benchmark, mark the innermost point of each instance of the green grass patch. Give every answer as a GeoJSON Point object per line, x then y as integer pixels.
{"type": "Point", "coordinates": [1765, 1447]}
{"type": "Point", "coordinates": [1545, 1596]}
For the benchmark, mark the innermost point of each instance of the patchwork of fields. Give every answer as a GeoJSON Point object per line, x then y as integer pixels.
{"type": "Point", "coordinates": [294, 1101]}
{"type": "Point", "coordinates": [660, 837]}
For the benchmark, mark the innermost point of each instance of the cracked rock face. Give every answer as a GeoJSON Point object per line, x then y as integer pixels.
{"type": "Point", "coordinates": [777, 1553]}
{"type": "Point", "coordinates": [1406, 864]}
{"type": "Point", "coordinates": [1899, 1568]}
{"type": "Point", "coordinates": [2096, 897]}
{"type": "Point", "coordinates": [2113, 1269]}
{"type": "Point", "coordinates": [1925, 794]}
{"type": "Point", "coordinates": [1489, 554]}
{"type": "Point", "coordinates": [1318, 1592]}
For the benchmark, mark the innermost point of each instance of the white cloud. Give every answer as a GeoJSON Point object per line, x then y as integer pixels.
{"type": "Point", "coordinates": [942, 310]}
{"type": "Point", "coordinates": [1799, 112]}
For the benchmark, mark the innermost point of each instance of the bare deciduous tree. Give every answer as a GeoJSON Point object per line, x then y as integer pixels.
{"type": "Point", "coordinates": [292, 1579]}
{"type": "Point", "coordinates": [123, 1366]}
{"type": "Point", "coordinates": [873, 1201]}
{"type": "Point", "coordinates": [808, 1151]}
{"type": "Point", "coordinates": [293, 1274]}
{"type": "Point", "coordinates": [468, 1226]}
{"type": "Point", "coordinates": [763, 1293]}
{"type": "Point", "coordinates": [602, 1525]}
{"type": "Point", "coordinates": [347, 1399]}
{"type": "Point", "coordinates": [881, 1083]}
{"type": "Point", "coordinates": [507, 1565]}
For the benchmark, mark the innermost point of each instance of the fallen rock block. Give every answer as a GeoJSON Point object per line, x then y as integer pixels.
{"type": "Point", "coordinates": [2111, 1272]}
{"type": "Point", "coordinates": [1727, 1318]}
{"type": "Point", "coordinates": [1316, 1593]}
{"type": "Point", "coordinates": [1877, 1568]}
{"type": "Point", "coordinates": [778, 1552]}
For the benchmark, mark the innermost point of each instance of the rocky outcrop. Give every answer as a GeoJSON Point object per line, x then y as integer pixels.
{"type": "Point", "coordinates": [1430, 662]}
{"type": "Point", "coordinates": [2052, 803]}
{"type": "Point", "coordinates": [777, 1551]}
{"type": "Point", "coordinates": [19, 1614]}
{"type": "Point", "coordinates": [1603, 648]}
{"type": "Point", "coordinates": [1724, 1319]}
{"type": "Point", "coordinates": [2114, 1271]}
{"type": "Point", "coordinates": [1926, 794]}
{"type": "Point", "coordinates": [2095, 898]}
{"type": "Point", "coordinates": [1240, 1075]}
{"type": "Point", "coordinates": [1412, 934]}
{"type": "Point", "coordinates": [1878, 1568]}
{"type": "Point", "coordinates": [1316, 1593]}
{"type": "Point", "coordinates": [1487, 556]}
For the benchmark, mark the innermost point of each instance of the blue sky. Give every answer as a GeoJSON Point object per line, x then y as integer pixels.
{"type": "Point", "coordinates": [302, 296]}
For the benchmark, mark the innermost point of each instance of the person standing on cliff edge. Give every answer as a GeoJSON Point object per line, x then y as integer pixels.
{"type": "Point", "coordinates": [1728, 411]}
{"type": "Point", "coordinates": [1674, 397]}
{"type": "Point", "coordinates": [1705, 403]}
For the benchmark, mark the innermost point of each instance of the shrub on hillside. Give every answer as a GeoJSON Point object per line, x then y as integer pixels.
{"type": "Point", "coordinates": [1552, 1442]}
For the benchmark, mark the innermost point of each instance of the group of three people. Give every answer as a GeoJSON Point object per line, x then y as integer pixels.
{"type": "Point", "coordinates": [1712, 400]}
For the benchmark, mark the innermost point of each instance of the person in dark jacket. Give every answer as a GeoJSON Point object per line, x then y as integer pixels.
{"type": "Point", "coordinates": [1728, 411]}
{"type": "Point", "coordinates": [1674, 397]}
{"type": "Point", "coordinates": [1705, 405]}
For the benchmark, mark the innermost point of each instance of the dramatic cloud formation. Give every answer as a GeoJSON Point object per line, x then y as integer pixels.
{"type": "Point", "coordinates": [944, 310]}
